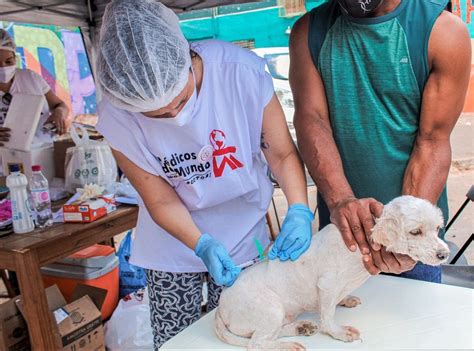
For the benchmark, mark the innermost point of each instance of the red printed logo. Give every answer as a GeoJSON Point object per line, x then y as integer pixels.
{"type": "Point", "coordinates": [222, 155]}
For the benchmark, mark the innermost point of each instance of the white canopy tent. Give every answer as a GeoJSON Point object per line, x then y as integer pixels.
{"type": "Point", "coordinates": [85, 14]}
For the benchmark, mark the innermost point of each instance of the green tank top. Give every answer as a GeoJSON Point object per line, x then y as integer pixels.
{"type": "Point", "coordinates": [374, 72]}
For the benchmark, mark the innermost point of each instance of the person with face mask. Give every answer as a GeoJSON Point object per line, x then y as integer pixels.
{"type": "Point", "coordinates": [378, 87]}
{"type": "Point", "coordinates": [24, 81]}
{"type": "Point", "coordinates": [195, 128]}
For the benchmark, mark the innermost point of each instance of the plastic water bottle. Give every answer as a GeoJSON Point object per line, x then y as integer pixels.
{"type": "Point", "coordinates": [39, 188]}
{"type": "Point", "coordinates": [21, 210]}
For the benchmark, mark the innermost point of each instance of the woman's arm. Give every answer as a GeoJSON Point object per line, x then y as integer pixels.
{"type": "Point", "coordinates": [161, 201]}
{"type": "Point", "coordinates": [59, 112]}
{"type": "Point", "coordinates": [280, 151]}
{"type": "Point", "coordinates": [281, 154]}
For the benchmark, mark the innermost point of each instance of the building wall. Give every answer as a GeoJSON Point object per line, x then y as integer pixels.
{"type": "Point", "coordinates": [263, 26]}
{"type": "Point", "coordinates": [58, 54]}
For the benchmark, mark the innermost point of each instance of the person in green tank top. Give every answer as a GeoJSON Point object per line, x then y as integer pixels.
{"type": "Point", "coordinates": [378, 86]}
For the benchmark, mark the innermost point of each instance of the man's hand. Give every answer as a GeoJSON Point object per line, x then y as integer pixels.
{"type": "Point", "coordinates": [387, 262]}
{"type": "Point", "coordinates": [355, 219]}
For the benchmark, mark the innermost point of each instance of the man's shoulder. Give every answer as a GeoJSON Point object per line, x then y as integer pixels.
{"type": "Point", "coordinates": [449, 35]}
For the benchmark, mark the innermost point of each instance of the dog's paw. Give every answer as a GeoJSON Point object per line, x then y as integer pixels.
{"type": "Point", "coordinates": [350, 301]}
{"type": "Point", "coordinates": [348, 334]}
{"type": "Point", "coordinates": [306, 328]}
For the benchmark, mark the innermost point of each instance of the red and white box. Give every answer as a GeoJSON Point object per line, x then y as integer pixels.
{"type": "Point", "coordinates": [89, 210]}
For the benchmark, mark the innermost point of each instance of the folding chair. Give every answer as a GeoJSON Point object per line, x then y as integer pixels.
{"type": "Point", "coordinates": [458, 272]}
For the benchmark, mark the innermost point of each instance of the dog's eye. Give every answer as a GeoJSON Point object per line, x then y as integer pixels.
{"type": "Point", "coordinates": [438, 228]}
{"type": "Point", "coordinates": [416, 232]}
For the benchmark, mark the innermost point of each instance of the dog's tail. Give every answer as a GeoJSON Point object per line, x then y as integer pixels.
{"type": "Point", "coordinates": [225, 335]}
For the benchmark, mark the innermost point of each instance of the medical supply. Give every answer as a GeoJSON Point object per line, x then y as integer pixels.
{"type": "Point", "coordinates": [156, 41]}
{"type": "Point", "coordinates": [21, 210]}
{"type": "Point", "coordinates": [89, 210]}
{"type": "Point", "coordinates": [39, 189]}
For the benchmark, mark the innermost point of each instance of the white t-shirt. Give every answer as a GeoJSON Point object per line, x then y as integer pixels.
{"type": "Point", "coordinates": [228, 194]}
{"type": "Point", "coordinates": [28, 82]}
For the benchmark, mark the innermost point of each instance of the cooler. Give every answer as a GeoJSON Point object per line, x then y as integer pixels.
{"type": "Point", "coordinates": [95, 266]}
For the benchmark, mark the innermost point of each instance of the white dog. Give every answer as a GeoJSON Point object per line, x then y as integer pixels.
{"type": "Point", "coordinates": [266, 299]}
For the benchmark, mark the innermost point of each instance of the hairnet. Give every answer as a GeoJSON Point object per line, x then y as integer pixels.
{"type": "Point", "coordinates": [143, 61]}
{"type": "Point", "coordinates": [6, 41]}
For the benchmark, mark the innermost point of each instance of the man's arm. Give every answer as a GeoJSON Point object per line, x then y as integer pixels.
{"type": "Point", "coordinates": [353, 217]}
{"type": "Point", "coordinates": [443, 101]}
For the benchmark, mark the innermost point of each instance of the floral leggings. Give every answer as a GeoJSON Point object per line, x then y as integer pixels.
{"type": "Point", "coordinates": [175, 301]}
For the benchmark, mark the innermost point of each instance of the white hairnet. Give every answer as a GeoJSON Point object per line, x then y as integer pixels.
{"type": "Point", "coordinates": [143, 60]}
{"type": "Point", "coordinates": [6, 41]}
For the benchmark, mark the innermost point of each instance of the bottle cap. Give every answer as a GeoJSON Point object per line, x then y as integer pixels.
{"type": "Point", "coordinates": [14, 168]}
{"type": "Point", "coordinates": [36, 168]}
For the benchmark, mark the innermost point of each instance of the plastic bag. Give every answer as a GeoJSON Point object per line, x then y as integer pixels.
{"type": "Point", "coordinates": [129, 328]}
{"type": "Point", "coordinates": [132, 278]}
{"type": "Point", "coordinates": [90, 161]}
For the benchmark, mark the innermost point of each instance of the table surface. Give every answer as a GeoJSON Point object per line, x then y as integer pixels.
{"type": "Point", "coordinates": [44, 237]}
{"type": "Point", "coordinates": [396, 313]}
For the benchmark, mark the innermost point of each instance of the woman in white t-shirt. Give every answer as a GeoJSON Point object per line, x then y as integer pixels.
{"type": "Point", "coordinates": [15, 81]}
{"type": "Point", "coordinates": [187, 125]}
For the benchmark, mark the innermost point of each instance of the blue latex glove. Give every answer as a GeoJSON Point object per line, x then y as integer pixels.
{"type": "Point", "coordinates": [296, 234]}
{"type": "Point", "coordinates": [217, 260]}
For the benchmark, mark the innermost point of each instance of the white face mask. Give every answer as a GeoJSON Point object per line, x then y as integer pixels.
{"type": "Point", "coordinates": [185, 115]}
{"type": "Point", "coordinates": [7, 73]}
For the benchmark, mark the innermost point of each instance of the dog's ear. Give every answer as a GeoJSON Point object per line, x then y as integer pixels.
{"type": "Point", "coordinates": [387, 227]}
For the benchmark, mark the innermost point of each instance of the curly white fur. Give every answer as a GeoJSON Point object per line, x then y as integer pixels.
{"type": "Point", "coordinates": [266, 299]}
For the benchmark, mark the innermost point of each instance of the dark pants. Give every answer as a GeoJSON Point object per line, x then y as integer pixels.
{"type": "Point", "coordinates": [175, 302]}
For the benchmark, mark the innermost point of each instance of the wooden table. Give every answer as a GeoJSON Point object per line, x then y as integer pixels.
{"type": "Point", "coordinates": [26, 253]}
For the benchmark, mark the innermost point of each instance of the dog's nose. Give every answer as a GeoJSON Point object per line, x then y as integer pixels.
{"type": "Point", "coordinates": [442, 255]}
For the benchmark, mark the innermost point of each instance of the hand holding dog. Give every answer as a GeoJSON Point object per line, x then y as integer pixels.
{"type": "Point", "coordinates": [217, 260]}
{"type": "Point", "coordinates": [296, 234]}
{"type": "Point", "coordinates": [387, 262]}
{"type": "Point", "coordinates": [355, 219]}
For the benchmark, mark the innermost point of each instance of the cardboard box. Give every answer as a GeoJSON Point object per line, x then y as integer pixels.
{"type": "Point", "coordinates": [79, 323]}
{"type": "Point", "coordinates": [13, 330]}
{"type": "Point", "coordinates": [89, 210]}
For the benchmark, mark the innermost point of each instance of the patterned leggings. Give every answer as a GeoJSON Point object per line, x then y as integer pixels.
{"type": "Point", "coordinates": [175, 301]}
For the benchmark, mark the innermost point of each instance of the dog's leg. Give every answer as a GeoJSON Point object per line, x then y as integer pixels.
{"type": "Point", "coordinates": [328, 301]}
{"type": "Point", "coordinates": [299, 328]}
{"type": "Point", "coordinates": [350, 301]}
{"type": "Point", "coordinates": [265, 338]}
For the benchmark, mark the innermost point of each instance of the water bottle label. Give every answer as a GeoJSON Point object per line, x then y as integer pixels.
{"type": "Point", "coordinates": [40, 195]}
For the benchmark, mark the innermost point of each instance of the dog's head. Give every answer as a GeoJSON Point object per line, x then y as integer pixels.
{"type": "Point", "coordinates": [410, 226]}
